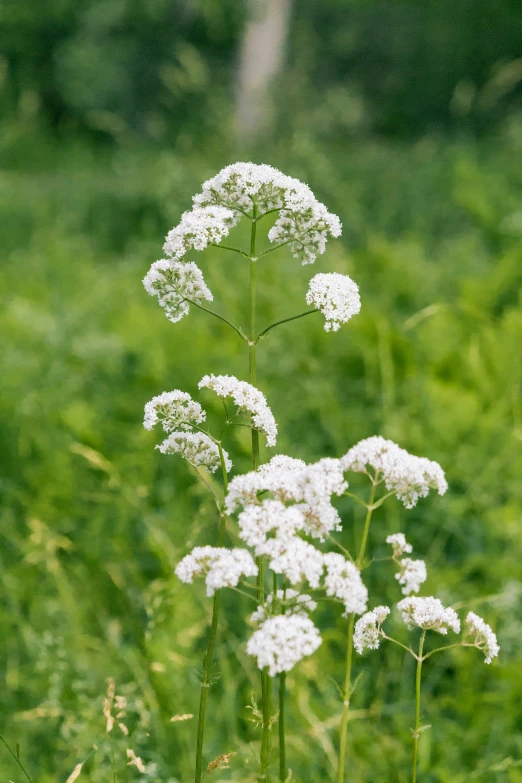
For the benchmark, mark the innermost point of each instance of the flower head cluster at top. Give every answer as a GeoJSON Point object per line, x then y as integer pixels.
{"type": "Point", "coordinates": [412, 573]}
{"type": "Point", "coordinates": [247, 398]}
{"type": "Point", "coordinates": [408, 476]}
{"type": "Point", "coordinates": [303, 222]}
{"type": "Point", "coordinates": [429, 614]}
{"type": "Point", "coordinates": [282, 641]}
{"type": "Point", "coordinates": [222, 567]}
{"type": "Point", "coordinates": [336, 296]}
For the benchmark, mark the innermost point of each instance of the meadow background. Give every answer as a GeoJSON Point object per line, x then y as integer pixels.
{"type": "Point", "coordinates": [406, 119]}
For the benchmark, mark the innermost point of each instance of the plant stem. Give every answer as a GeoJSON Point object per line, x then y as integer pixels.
{"type": "Point", "coordinates": [283, 772]}
{"type": "Point", "coordinates": [349, 651]}
{"type": "Point", "coordinates": [417, 708]}
{"type": "Point", "coordinates": [16, 759]}
{"type": "Point", "coordinates": [207, 660]}
{"type": "Point", "coordinates": [266, 683]}
{"type": "Point", "coordinates": [284, 321]}
{"type": "Point", "coordinates": [221, 318]}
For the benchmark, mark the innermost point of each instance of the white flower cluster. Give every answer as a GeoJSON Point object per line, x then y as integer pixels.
{"type": "Point", "coordinates": [197, 448]}
{"type": "Point", "coordinates": [367, 633]}
{"type": "Point", "coordinates": [282, 641]}
{"type": "Point", "coordinates": [399, 544]}
{"type": "Point", "coordinates": [247, 398]}
{"type": "Point", "coordinates": [412, 575]}
{"type": "Point", "coordinates": [343, 581]}
{"type": "Point", "coordinates": [292, 480]}
{"type": "Point", "coordinates": [257, 521]}
{"type": "Point", "coordinates": [198, 228]}
{"type": "Point", "coordinates": [303, 222]}
{"type": "Point", "coordinates": [336, 296]}
{"type": "Point", "coordinates": [223, 567]}
{"type": "Point", "coordinates": [428, 614]}
{"type": "Point", "coordinates": [296, 559]}
{"type": "Point", "coordinates": [481, 635]}
{"type": "Point", "coordinates": [174, 282]}
{"type": "Point", "coordinates": [408, 476]}
{"type": "Point", "coordinates": [288, 600]}
{"type": "Point", "coordinates": [175, 410]}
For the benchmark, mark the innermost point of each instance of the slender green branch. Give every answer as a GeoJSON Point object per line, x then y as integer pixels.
{"type": "Point", "coordinates": [221, 318]}
{"type": "Point", "coordinates": [242, 592]}
{"type": "Point", "coordinates": [15, 756]}
{"type": "Point", "coordinates": [268, 212]}
{"type": "Point", "coordinates": [366, 529]}
{"type": "Point", "coordinates": [381, 500]}
{"type": "Point", "coordinates": [447, 647]}
{"type": "Point", "coordinates": [283, 771]}
{"type": "Point", "coordinates": [336, 543]}
{"type": "Point", "coordinates": [408, 649]}
{"type": "Point", "coordinates": [276, 247]}
{"type": "Point", "coordinates": [233, 249]}
{"type": "Point", "coordinates": [417, 708]}
{"type": "Point", "coordinates": [356, 498]}
{"type": "Point", "coordinates": [284, 321]}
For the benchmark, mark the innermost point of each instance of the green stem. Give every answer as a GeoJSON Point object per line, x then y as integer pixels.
{"type": "Point", "coordinates": [349, 651]}
{"type": "Point", "coordinates": [283, 772]}
{"type": "Point", "coordinates": [233, 249]}
{"type": "Point", "coordinates": [16, 759]}
{"type": "Point", "coordinates": [417, 708]}
{"type": "Point", "coordinates": [284, 321]}
{"type": "Point", "coordinates": [207, 660]}
{"type": "Point", "coordinates": [221, 318]}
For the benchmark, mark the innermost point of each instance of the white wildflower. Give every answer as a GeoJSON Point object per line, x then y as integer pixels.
{"type": "Point", "coordinates": [399, 544]}
{"type": "Point", "coordinates": [135, 761]}
{"type": "Point", "coordinates": [289, 601]}
{"type": "Point", "coordinates": [296, 559]}
{"type": "Point", "coordinates": [247, 398]}
{"type": "Point", "coordinates": [408, 476]}
{"type": "Point", "coordinates": [481, 635]}
{"type": "Point", "coordinates": [175, 410]}
{"type": "Point", "coordinates": [223, 567]}
{"type": "Point", "coordinates": [282, 641]}
{"type": "Point", "coordinates": [412, 575]}
{"type": "Point", "coordinates": [198, 228]}
{"type": "Point", "coordinates": [367, 633]}
{"type": "Point", "coordinates": [429, 614]}
{"type": "Point", "coordinates": [256, 521]}
{"type": "Point", "coordinates": [310, 486]}
{"type": "Point", "coordinates": [197, 448]}
{"type": "Point", "coordinates": [175, 283]}
{"type": "Point", "coordinates": [303, 222]}
{"type": "Point", "coordinates": [336, 296]}
{"type": "Point", "coordinates": [343, 581]}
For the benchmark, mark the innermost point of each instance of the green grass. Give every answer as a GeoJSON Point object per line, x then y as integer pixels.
{"type": "Point", "coordinates": [94, 519]}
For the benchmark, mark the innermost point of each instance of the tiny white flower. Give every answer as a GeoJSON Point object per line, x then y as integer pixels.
{"type": "Point", "coordinates": [296, 559]}
{"type": "Point", "coordinates": [175, 410]}
{"type": "Point", "coordinates": [257, 521]}
{"type": "Point", "coordinates": [336, 296]}
{"type": "Point", "coordinates": [367, 633]}
{"type": "Point", "coordinates": [481, 635]}
{"type": "Point", "coordinates": [428, 614]}
{"type": "Point", "coordinates": [408, 476]}
{"type": "Point", "coordinates": [247, 398]}
{"type": "Point", "coordinates": [412, 575]}
{"type": "Point", "coordinates": [176, 284]}
{"type": "Point", "coordinates": [223, 567]}
{"type": "Point", "coordinates": [198, 228]}
{"type": "Point", "coordinates": [197, 448]}
{"type": "Point", "coordinates": [282, 641]}
{"type": "Point", "coordinates": [399, 544]}
{"type": "Point", "coordinates": [343, 581]}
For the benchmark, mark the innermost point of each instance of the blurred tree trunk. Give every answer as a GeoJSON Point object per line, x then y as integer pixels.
{"type": "Point", "coordinates": [262, 54]}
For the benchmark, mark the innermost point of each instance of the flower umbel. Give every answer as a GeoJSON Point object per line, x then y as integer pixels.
{"type": "Point", "coordinates": [336, 296]}
{"type": "Point", "coordinates": [481, 635]}
{"type": "Point", "coordinates": [197, 448]}
{"type": "Point", "coordinates": [367, 632]}
{"type": "Point", "coordinates": [175, 410]}
{"type": "Point", "coordinates": [343, 580]}
{"type": "Point", "coordinates": [198, 228]}
{"type": "Point", "coordinates": [175, 283]}
{"type": "Point", "coordinates": [428, 614]}
{"type": "Point", "coordinates": [412, 575]}
{"type": "Point", "coordinates": [282, 641]}
{"type": "Point", "coordinates": [223, 567]}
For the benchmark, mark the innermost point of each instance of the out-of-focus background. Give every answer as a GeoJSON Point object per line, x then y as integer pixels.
{"type": "Point", "coordinates": [405, 118]}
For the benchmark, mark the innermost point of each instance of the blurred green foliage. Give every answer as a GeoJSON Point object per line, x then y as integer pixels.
{"type": "Point", "coordinates": [113, 114]}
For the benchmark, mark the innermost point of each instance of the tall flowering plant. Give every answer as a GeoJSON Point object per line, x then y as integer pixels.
{"type": "Point", "coordinates": [284, 510]}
